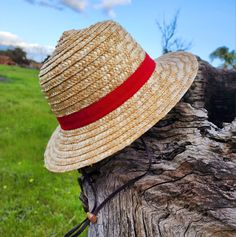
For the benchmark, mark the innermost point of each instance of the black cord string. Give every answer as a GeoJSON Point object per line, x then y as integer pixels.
{"type": "Point", "coordinates": [78, 229]}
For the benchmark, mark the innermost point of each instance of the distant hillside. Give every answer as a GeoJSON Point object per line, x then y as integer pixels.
{"type": "Point", "coordinates": [10, 55]}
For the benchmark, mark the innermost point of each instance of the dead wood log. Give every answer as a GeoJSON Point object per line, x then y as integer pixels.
{"type": "Point", "coordinates": [191, 188]}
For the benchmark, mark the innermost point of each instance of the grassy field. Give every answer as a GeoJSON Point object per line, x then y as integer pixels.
{"type": "Point", "coordinates": [33, 201]}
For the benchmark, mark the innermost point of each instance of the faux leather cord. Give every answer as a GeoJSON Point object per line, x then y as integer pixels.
{"type": "Point", "coordinates": [92, 216]}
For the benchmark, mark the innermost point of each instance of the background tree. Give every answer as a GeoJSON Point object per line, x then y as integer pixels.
{"type": "Point", "coordinates": [223, 54]}
{"type": "Point", "coordinates": [18, 55]}
{"type": "Point", "coordinates": [169, 41]}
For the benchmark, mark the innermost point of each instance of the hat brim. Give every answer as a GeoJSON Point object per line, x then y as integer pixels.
{"type": "Point", "coordinates": [74, 149]}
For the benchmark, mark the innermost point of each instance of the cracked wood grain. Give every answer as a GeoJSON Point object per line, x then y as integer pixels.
{"type": "Point", "coordinates": [191, 187]}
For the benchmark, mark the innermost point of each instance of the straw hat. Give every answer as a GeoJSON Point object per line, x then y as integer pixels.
{"type": "Point", "coordinates": [106, 92]}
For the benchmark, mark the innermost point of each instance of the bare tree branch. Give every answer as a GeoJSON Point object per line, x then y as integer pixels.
{"type": "Point", "coordinates": [168, 40]}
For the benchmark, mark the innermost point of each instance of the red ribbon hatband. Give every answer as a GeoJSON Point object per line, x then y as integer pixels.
{"type": "Point", "coordinates": [112, 100]}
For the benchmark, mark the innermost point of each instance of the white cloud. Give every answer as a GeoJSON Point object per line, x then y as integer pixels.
{"type": "Point", "coordinates": [80, 5]}
{"type": "Point", "coordinates": [77, 5]}
{"type": "Point", "coordinates": [108, 5]}
{"type": "Point", "coordinates": [7, 38]}
{"type": "Point", "coordinates": [34, 51]}
{"type": "Point", "coordinates": [46, 3]}
{"type": "Point", "coordinates": [112, 3]}
{"type": "Point", "coordinates": [110, 13]}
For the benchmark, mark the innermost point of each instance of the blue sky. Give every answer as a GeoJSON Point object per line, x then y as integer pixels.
{"type": "Point", "coordinates": [36, 25]}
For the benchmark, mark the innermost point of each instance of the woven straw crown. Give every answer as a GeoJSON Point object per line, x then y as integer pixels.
{"type": "Point", "coordinates": [87, 66]}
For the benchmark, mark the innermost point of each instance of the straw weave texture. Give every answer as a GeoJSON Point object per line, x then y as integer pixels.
{"type": "Point", "coordinates": [90, 69]}
{"type": "Point", "coordinates": [87, 65]}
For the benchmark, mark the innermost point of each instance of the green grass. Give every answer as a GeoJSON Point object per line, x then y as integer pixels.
{"type": "Point", "coordinates": [33, 201]}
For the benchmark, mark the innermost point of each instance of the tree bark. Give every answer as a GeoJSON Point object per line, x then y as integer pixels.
{"type": "Point", "coordinates": [191, 188]}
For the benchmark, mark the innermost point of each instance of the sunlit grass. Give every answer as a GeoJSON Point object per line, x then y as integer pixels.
{"type": "Point", "coordinates": [33, 201]}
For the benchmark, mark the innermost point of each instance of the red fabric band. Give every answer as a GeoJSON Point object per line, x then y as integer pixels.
{"type": "Point", "coordinates": [112, 100]}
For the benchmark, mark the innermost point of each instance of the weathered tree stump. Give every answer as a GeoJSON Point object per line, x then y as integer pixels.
{"type": "Point", "coordinates": [191, 188]}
